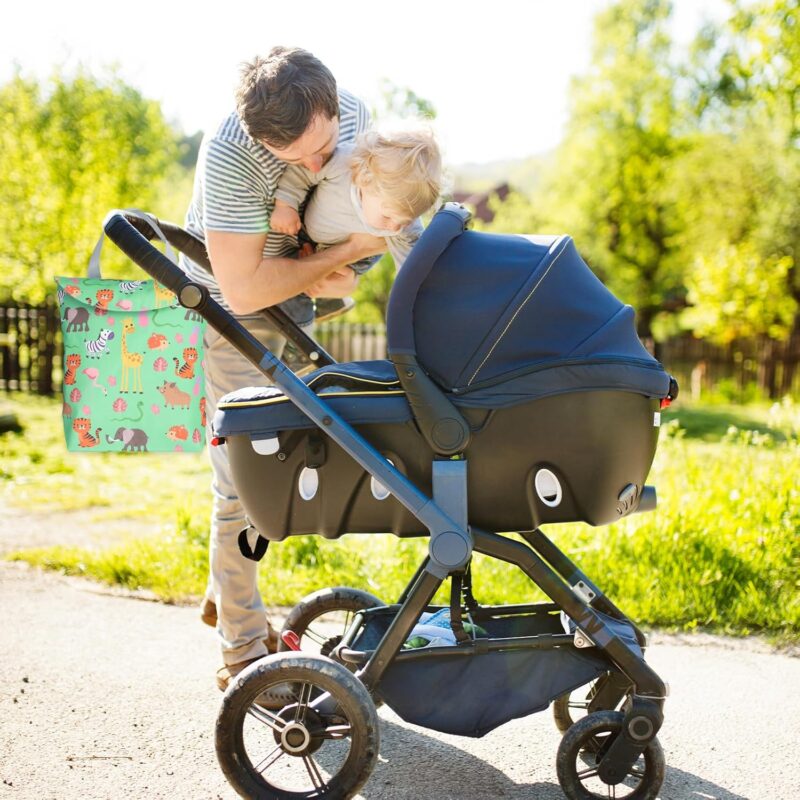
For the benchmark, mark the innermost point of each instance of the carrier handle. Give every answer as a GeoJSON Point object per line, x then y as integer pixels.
{"type": "Point", "coordinates": [194, 248]}
{"type": "Point", "coordinates": [450, 221]}
{"type": "Point", "coordinates": [439, 421]}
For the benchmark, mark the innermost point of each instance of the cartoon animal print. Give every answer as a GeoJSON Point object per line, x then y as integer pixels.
{"type": "Point", "coordinates": [131, 362]}
{"type": "Point", "coordinates": [73, 362]}
{"type": "Point", "coordinates": [103, 297]}
{"type": "Point", "coordinates": [158, 342]}
{"type": "Point", "coordinates": [178, 433]}
{"type": "Point", "coordinates": [140, 414]}
{"type": "Point", "coordinates": [202, 412]}
{"type": "Point", "coordinates": [186, 370]}
{"type": "Point", "coordinates": [72, 290]}
{"type": "Point", "coordinates": [77, 319]}
{"type": "Point", "coordinates": [95, 348]}
{"type": "Point", "coordinates": [129, 287]}
{"type": "Point", "coordinates": [132, 438]}
{"type": "Point", "coordinates": [83, 426]}
{"type": "Point", "coordinates": [164, 297]}
{"type": "Point", "coordinates": [173, 396]}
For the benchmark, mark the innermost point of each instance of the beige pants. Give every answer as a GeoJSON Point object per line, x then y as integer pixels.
{"type": "Point", "coordinates": [232, 579]}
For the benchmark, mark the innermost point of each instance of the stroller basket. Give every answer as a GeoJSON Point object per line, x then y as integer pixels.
{"type": "Point", "coordinates": [474, 687]}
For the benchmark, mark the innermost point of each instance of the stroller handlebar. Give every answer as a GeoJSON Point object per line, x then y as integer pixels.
{"type": "Point", "coordinates": [134, 243]}
{"type": "Point", "coordinates": [132, 235]}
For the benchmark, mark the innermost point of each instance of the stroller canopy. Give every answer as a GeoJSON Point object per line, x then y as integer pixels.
{"type": "Point", "coordinates": [502, 319]}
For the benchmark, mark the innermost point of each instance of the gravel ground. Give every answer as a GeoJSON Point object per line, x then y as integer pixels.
{"type": "Point", "coordinates": [103, 696]}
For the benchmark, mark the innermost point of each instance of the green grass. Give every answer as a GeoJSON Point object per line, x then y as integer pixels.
{"type": "Point", "coordinates": [721, 553]}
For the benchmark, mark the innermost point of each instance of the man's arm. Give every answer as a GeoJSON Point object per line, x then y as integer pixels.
{"type": "Point", "coordinates": [250, 282]}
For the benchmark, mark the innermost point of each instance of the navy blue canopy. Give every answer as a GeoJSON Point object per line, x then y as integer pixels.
{"type": "Point", "coordinates": [501, 319]}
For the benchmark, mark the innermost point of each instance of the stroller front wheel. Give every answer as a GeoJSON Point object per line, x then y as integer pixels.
{"type": "Point", "coordinates": [582, 749]}
{"type": "Point", "coordinates": [321, 741]}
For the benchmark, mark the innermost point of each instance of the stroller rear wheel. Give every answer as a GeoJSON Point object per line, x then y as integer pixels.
{"type": "Point", "coordinates": [321, 744]}
{"type": "Point", "coordinates": [320, 619]}
{"type": "Point", "coordinates": [584, 746]}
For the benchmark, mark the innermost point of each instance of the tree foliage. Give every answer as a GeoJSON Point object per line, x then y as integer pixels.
{"type": "Point", "coordinates": [679, 175]}
{"type": "Point", "coordinates": [744, 179]}
{"type": "Point", "coordinates": [71, 149]}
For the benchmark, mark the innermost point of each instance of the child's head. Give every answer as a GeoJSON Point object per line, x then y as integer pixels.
{"type": "Point", "coordinates": [398, 175]}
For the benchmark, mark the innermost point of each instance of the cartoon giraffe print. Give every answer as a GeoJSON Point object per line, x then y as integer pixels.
{"type": "Point", "coordinates": [131, 362]}
{"type": "Point", "coordinates": [163, 295]}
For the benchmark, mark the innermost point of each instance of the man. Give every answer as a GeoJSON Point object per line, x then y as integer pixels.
{"type": "Point", "coordinates": [288, 111]}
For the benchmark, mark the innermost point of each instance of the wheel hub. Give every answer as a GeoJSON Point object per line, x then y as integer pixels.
{"type": "Point", "coordinates": [300, 737]}
{"type": "Point", "coordinates": [295, 738]}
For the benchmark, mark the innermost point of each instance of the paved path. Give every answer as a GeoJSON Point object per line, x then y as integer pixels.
{"type": "Point", "coordinates": [103, 696]}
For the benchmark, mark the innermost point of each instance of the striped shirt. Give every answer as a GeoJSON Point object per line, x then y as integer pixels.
{"type": "Point", "coordinates": [235, 183]}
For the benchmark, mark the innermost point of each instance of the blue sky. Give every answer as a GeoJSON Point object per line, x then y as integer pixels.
{"type": "Point", "coordinates": [497, 72]}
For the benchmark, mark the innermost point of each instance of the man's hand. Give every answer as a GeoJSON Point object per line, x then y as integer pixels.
{"type": "Point", "coordinates": [340, 283]}
{"type": "Point", "coordinates": [284, 219]}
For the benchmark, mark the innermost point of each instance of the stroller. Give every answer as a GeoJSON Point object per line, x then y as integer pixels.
{"type": "Point", "coordinates": [516, 394]}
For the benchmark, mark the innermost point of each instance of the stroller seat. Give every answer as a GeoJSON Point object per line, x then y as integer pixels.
{"type": "Point", "coordinates": [539, 359]}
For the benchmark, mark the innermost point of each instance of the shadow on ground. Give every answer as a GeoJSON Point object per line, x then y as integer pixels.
{"type": "Point", "coordinates": [411, 760]}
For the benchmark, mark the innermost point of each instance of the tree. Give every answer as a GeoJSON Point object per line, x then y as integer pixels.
{"type": "Point", "coordinates": [748, 90]}
{"type": "Point", "coordinates": [71, 149]}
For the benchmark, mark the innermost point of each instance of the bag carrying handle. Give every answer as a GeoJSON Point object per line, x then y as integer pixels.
{"type": "Point", "coordinates": [133, 213]}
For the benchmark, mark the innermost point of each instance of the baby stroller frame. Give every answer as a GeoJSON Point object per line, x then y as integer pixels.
{"type": "Point", "coordinates": [451, 545]}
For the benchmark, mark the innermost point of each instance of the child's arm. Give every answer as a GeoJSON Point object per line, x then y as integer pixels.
{"type": "Point", "coordinates": [292, 189]}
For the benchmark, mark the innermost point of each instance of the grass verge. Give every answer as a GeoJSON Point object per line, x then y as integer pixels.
{"type": "Point", "coordinates": [722, 552]}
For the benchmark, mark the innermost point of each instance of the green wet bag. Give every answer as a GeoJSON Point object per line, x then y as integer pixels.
{"type": "Point", "coordinates": [133, 365]}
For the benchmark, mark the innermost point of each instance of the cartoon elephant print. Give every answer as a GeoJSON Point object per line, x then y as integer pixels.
{"type": "Point", "coordinates": [132, 438]}
{"type": "Point", "coordinates": [77, 319]}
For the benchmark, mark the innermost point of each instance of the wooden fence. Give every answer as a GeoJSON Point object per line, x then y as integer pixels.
{"type": "Point", "coordinates": [701, 367]}
{"type": "Point", "coordinates": [30, 349]}
{"type": "Point", "coordinates": [30, 355]}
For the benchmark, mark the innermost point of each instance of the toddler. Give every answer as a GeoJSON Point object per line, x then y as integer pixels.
{"type": "Point", "coordinates": [381, 184]}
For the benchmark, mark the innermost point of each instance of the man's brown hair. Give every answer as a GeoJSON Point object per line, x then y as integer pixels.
{"type": "Point", "coordinates": [278, 96]}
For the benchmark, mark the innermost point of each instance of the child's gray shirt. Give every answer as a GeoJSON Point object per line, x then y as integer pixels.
{"type": "Point", "coordinates": [334, 211]}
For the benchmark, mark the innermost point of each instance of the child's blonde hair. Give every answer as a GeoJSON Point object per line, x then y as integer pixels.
{"type": "Point", "coordinates": [405, 168]}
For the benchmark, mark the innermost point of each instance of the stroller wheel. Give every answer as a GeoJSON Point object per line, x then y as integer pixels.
{"type": "Point", "coordinates": [582, 749]}
{"type": "Point", "coordinates": [323, 743]}
{"type": "Point", "coordinates": [320, 619]}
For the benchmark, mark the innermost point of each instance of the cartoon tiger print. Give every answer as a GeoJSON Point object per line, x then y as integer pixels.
{"type": "Point", "coordinates": [73, 362]}
{"type": "Point", "coordinates": [83, 426]}
{"type": "Point", "coordinates": [103, 297]}
{"type": "Point", "coordinates": [186, 370]}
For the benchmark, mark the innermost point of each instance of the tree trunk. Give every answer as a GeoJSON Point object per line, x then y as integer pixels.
{"type": "Point", "coordinates": [766, 367]}
{"type": "Point", "coordinates": [791, 355]}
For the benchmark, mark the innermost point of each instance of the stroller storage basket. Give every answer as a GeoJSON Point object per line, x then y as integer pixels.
{"type": "Point", "coordinates": [472, 688]}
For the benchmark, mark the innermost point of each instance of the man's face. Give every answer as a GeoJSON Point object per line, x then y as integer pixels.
{"type": "Point", "coordinates": [314, 147]}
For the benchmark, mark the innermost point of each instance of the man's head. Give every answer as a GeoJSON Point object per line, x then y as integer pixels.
{"type": "Point", "coordinates": [288, 102]}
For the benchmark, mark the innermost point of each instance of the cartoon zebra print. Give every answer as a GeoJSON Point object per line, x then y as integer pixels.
{"type": "Point", "coordinates": [99, 346]}
{"type": "Point", "coordinates": [129, 287]}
